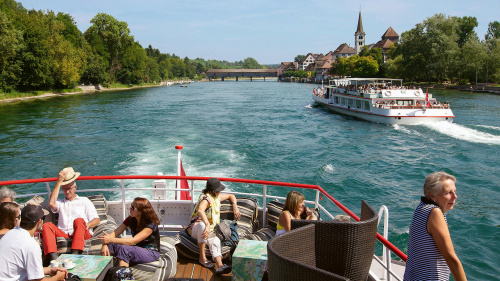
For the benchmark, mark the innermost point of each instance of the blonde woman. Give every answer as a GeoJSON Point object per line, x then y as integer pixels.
{"type": "Point", "coordinates": [294, 207]}
{"type": "Point", "coordinates": [431, 255]}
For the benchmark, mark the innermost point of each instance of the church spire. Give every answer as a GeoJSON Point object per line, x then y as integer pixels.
{"type": "Point", "coordinates": [360, 25]}
{"type": "Point", "coordinates": [359, 36]}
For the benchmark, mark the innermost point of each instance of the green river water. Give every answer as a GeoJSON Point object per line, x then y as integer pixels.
{"type": "Point", "coordinates": [271, 131]}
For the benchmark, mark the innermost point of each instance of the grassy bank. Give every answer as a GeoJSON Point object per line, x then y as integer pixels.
{"type": "Point", "coordinates": [16, 94]}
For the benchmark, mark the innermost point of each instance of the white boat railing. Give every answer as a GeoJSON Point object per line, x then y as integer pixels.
{"type": "Point", "coordinates": [387, 246]}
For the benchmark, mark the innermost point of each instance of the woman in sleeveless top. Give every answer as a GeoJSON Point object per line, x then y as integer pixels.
{"type": "Point", "coordinates": [144, 246]}
{"type": "Point", "coordinates": [430, 250]}
{"type": "Point", "coordinates": [294, 207]}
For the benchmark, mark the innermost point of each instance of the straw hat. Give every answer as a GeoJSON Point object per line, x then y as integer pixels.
{"type": "Point", "coordinates": [71, 175]}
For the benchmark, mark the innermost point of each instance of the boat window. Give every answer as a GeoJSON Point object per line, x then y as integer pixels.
{"type": "Point", "coordinates": [349, 102]}
{"type": "Point", "coordinates": [358, 104]}
{"type": "Point", "coordinates": [342, 100]}
{"type": "Point", "coordinates": [366, 105]}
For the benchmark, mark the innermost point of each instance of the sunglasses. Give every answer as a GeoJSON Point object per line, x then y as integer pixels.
{"type": "Point", "coordinates": [18, 217]}
{"type": "Point", "coordinates": [132, 208]}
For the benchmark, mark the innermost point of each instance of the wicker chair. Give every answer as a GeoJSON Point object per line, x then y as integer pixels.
{"type": "Point", "coordinates": [291, 256]}
{"type": "Point", "coordinates": [344, 248]}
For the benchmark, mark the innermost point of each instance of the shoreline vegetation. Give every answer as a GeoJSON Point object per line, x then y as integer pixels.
{"type": "Point", "coordinates": [26, 96]}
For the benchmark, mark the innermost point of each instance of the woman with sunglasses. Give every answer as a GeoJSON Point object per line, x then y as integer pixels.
{"type": "Point", "coordinates": [10, 217]}
{"type": "Point", "coordinates": [144, 246]}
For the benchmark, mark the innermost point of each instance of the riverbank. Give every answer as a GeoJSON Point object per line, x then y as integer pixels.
{"type": "Point", "coordinates": [90, 90]}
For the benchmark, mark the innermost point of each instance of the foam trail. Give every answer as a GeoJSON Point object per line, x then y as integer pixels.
{"type": "Point", "coordinates": [489, 127]}
{"type": "Point", "coordinates": [463, 133]}
{"type": "Point", "coordinates": [308, 106]}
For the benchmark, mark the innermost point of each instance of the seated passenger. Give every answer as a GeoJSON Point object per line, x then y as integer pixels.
{"type": "Point", "coordinates": [10, 216]}
{"type": "Point", "coordinates": [6, 195]}
{"type": "Point", "coordinates": [144, 246]}
{"type": "Point", "coordinates": [21, 257]}
{"type": "Point", "coordinates": [77, 216]}
{"type": "Point", "coordinates": [205, 217]}
{"type": "Point", "coordinates": [294, 207]}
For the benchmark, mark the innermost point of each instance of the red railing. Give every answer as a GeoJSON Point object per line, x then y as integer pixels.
{"type": "Point", "coordinates": [388, 244]}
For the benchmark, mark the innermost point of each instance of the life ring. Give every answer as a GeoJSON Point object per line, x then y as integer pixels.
{"type": "Point", "coordinates": [314, 91]}
{"type": "Point", "coordinates": [417, 93]}
{"type": "Point", "coordinates": [388, 93]}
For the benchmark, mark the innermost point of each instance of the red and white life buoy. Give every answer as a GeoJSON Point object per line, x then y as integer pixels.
{"type": "Point", "coordinates": [314, 91]}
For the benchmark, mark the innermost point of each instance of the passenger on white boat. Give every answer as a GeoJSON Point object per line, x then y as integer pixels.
{"type": "Point", "coordinates": [294, 207]}
{"type": "Point", "coordinates": [77, 216]}
{"type": "Point", "coordinates": [205, 217]}
{"type": "Point", "coordinates": [144, 246]}
{"type": "Point", "coordinates": [6, 195]}
{"type": "Point", "coordinates": [430, 250]}
{"type": "Point", "coordinates": [10, 217]}
{"type": "Point", "coordinates": [21, 257]}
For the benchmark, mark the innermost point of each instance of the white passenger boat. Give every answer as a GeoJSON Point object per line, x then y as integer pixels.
{"type": "Point", "coordinates": [382, 100]}
{"type": "Point", "coordinates": [175, 213]}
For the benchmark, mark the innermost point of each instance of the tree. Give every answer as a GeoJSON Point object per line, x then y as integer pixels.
{"type": "Point", "coordinates": [493, 31]}
{"type": "Point", "coordinates": [251, 63]}
{"type": "Point", "coordinates": [375, 53]}
{"type": "Point", "coordinates": [111, 38]}
{"type": "Point", "coordinates": [364, 67]}
{"type": "Point", "coordinates": [133, 70]}
{"type": "Point", "coordinates": [299, 58]}
{"type": "Point", "coordinates": [11, 43]}
{"type": "Point", "coordinates": [465, 29]}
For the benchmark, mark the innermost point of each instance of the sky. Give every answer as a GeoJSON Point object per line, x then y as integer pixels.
{"type": "Point", "coordinates": [269, 31]}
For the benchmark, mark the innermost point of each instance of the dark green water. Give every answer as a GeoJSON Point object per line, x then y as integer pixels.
{"type": "Point", "coordinates": [271, 131]}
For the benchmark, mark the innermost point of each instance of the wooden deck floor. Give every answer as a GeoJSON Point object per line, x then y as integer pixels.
{"type": "Point", "coordinates": [187, 268]}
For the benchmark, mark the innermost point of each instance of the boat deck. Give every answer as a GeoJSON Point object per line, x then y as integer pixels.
{"type": "Point", "coordinates": [187, 268]}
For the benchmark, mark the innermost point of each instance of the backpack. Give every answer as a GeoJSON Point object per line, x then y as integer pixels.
{"type": "Point", "coordinates": [119, 273]}
{"type": "Point", "coordinates": [223, 231]}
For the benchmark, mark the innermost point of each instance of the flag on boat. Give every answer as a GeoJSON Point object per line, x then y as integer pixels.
{"type": "Point", "coordinates": [428, 104]}
{"type": "Point", "coordinates": [184, 185]}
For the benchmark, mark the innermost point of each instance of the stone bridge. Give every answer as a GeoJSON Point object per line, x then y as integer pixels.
{"type": "Point", "coordinates": [221, 73]}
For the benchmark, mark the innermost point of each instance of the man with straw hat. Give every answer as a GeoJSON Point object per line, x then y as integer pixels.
{"type": "Point", "coordinates": [77, 215]}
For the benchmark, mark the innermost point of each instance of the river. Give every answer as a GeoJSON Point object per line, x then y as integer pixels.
{"type": "Point", "coordinates": [271, 131]}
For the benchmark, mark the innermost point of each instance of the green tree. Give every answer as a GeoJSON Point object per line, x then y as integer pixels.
{"type": "Point", "coordinates": [71, 31]}
{"type": "Point", "coordinates": [299, 58]}
{"type": "Point", "coordinates": [152, 70]}
{"type": "Point", "coordinates": [111, 38]}
{"type": "Point", "coordinates": [493, 30]}
{"type": "Point", "coordinates": [363, 66]}
{"type": "Point", "coordinates": [251, 63]}
{"type": "Point", "coordinates": [133, 70]}
{"type": "Point", "coordinates": [11, 43]}
{"type": "Point", "coordinates": [465, 31]}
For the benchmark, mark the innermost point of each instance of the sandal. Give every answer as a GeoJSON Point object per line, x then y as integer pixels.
{"type": "Point", "coordinates": [225, 269]}
{"type": "Point", "coordinates": [207, 264]}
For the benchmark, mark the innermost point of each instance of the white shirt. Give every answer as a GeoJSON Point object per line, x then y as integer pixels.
{"type": "Point", "coordinates": [21, 256]}
{"type": "Point", "coordinates": [69, 210]}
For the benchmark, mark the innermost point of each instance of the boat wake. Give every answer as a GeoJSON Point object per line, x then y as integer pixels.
{"type": "Point", "coordinates": [463, 133]}
{"type": "Point", "coordinates": [308, 106]}
{"type": "Point", "coordinates": [489, 127]}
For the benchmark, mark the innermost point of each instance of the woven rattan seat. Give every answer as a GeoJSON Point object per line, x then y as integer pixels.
{"type": "Point", "coordinates": [291, 256]}
{"type": "Point", "coordinates": [342, 249]}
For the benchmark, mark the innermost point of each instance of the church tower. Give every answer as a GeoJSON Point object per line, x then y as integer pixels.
{"type": "Point", "coordinates": [359, 36]}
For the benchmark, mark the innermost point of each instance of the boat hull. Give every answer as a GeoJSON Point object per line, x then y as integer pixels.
{"type": "Point", "coordinates": [397, 116]}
